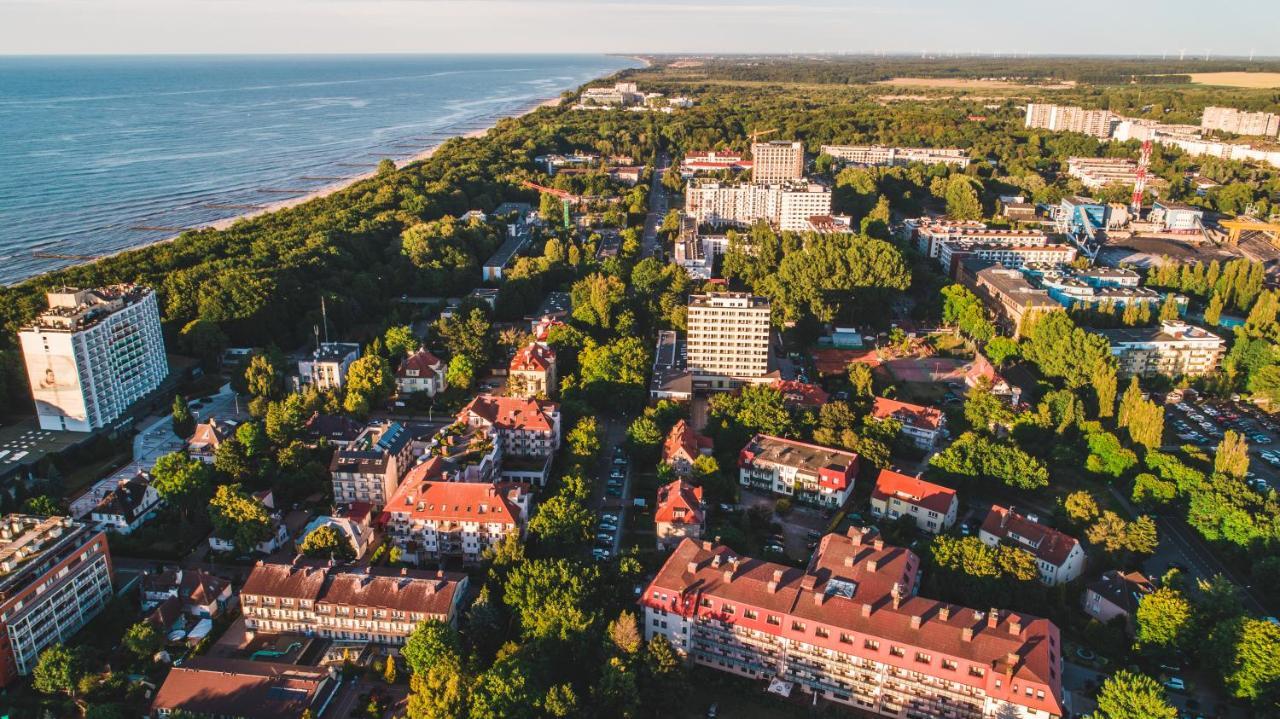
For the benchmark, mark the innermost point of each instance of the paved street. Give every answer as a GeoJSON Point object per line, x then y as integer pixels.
{"type": "Point", "coordinates": [657, 208]}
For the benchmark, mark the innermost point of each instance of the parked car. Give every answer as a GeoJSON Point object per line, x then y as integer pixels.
{"type": "Point", "coordinates": [1176, 684]}
{"type": "Point", "coordinates": [613, 518]}
{"type": "Point", "coordinates": [1260, 439]}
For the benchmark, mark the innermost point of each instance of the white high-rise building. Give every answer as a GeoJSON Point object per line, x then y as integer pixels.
{"type": "Point", "coordinates": [787, 206]}
{"type": "Point", "coordinates": [1064, 118]}
{"type": "Point", "coordinates": [728, 339]}
{"type": "Point", "coordinates": [1240, 122]}
{"type": "Point", "coordinates": [92, 354]}
{"type": "Point", "coordinates": [777, 161]}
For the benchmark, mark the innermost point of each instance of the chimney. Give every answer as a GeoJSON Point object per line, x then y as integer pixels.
{"type": "Point", "coordinates": [728, 575]}
{"type": "Point", "coordinates": [1012, 659]}
{"type": "Point", "coordinates": [775, 581]}
{"type": "Point", "coordinates": [848, 561]}
{"type": "Point", "coordinates": [872, 564]}
{"type": "Point", "coordinates": [916, 620]}
{"type": "Point", "coordinates": [818, 597]}
{"type": "Point", "coordinates": [715, 560]}
{"type": "Point", "coordinates": [967, 634]}
{"type": "Point", "coordinates": [944, 612]}
{"type": "Point", "coordinates": [879, 543]}
{"type": "Point", "coordinates": [866, 609]}
{"type": "Point", "coordinates": [1015, 625]}
{"type": "Point", "coordinates": [993, 618]}
{"type": "Point", "coordinates": [897, 595]}
{"type": "Point", "coordinates": [692, 568]}
{"type": "Point", "coordinates": [808, 583]}
{"type": "Point", "coordinates": [855, 536]}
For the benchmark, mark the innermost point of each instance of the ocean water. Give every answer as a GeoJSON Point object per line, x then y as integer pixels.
{"type": "Point", "coordinates": [100, 154]}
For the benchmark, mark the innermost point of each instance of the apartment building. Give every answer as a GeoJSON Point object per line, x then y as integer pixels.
{"type": "Point", "coordinates": [1094, 287]}
{"type": "Point", "coordinates": [1007, 294]}
{"type": "Point", "coordinates": [810, 473]}
{"type": "Point", "coordinates": [369, 469]}
{"type": "Point", "coordinates": [212, 687]}
{"type": "Point", "coordinates": [421, 372]}
{"type": "Point", "coordinates": [1173, 349]}
{"type": "Point", "coordinates": [897, 156]}
{"type": "Point", "coordinates": [532, 372]}
{"type": "Point", "coordinates": [683, 446]}
{"type": "Point", "coordinates": [728, 339]}
{"type": "Point", "coordinates": [850, 628]}
{"type": "Point", "coordinates": [92, 354]}
{"type": "Point", "coordinates": [1240, 122]}
{"type": "Point", "coordinates": [1063, 118]}
{"type": "Point", "coordinates": [713, 161]}
{"type": "Point", "coordinates": [931, 238]}
{"type": "Point", "coordinates": [932, 506]}
{"type": "Point", "coordinates": [622, 94]}
{"type": "Point", "coordinates": [327, 367]}
{"type": "Point", "coordinates": [786, 205]}
{"type": "Point", "coordinates": [55, 575]}
{"type": "Point", "coordinates": [679, 513]}
{"type": "Point", "coordinates": [777, 161]}
{"type": "Point", "coordinates": [372, 604]}
{"type": "Point", "coordinates": [432, 521]}
{"type": "Point", "coordinates": [1096, 173]}
{"type": "Point", "coordinates": [524, 427]}
{"type": "Point", "coordinates": [1059, 557]}
{"type": "Point", "coordinates": [952, 252]}
{"type": "Point", "coordinates": [924, 426]}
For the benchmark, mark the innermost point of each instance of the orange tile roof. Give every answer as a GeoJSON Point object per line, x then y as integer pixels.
{"type": "Point", "coordinates": [914, 490]}
{"type": "Point", "coordinates": [512, 412]}
{"type": "Point", "coordinates": [683, 440]}
{"type": "Point", "coordinates": [421, 498]}
{"type": "Point", "coordinates": [679, 495]}
{"type": "Point", "coordinates": [423, 361]}
{"type": "Point", "coordinates": [915, 415]}
{"type": "Point", "coordinates": [1046, 543]}
{"type": "Point", "coordinates": [533, 357]}
{"type": "Point", "coordinates": [412, 590]}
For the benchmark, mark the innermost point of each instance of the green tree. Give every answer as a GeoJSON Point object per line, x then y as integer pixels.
{"type": "Point", "coordinates": [400, 341]}
{"type": "Point", "coordinates": [263, 378]}
{"type": "Point", "coordinates": [252, 439]}
{"type": "Point", "coordinates": [231, 461]}
{"type": "Point", "coordinates": [285, 419]}
{"type": "Point", "coordinates": [860, 380]}
{"type": "Point", "coordinates": [239, 517]}
{"type": "Point", "coordinates": [1232, 457]}
{"type": "Point", "coordinates": [962, 199]}
{"type": "Point", "coordinates": [58, 670]}
{"type": "Point", "coordinates": [461, 372]}
{"type": "Point", "coordinates": [503, 691]}
{"type": "Point", "coordinates": [389, 670]}
{"type": "Point", "coordinates": [41, 506]}
{"type": "Point", "coordinates": [553, 598]}
{"type": "Point", "coordinates": [1164, 621]}
{"type": "Point", "coordinates": [584, 438]}
{"type": "Point", "coordinates": [1213, 312]}
{"type": "Point", "coordinates": [204, 340]}
{"type": "Point", "coordinates": [1000, 350]}
{"type": "Point", "coordinates": [643, 434]}
{"type": "Point", "coordinates": [441, 693]}
{"type": "Point", "coordinates": [1125, 695]}
{"type": "Point", "coordinates": [184, 424]}
{"type": "Point", "coordinates": [433, 643]}
{"type": "Point", "coordinates": [182, 482]}
{"type": "Point", "coordinates": [466, 333]}
{"type": "Point", "coordinates": [597, 300]}
{"type": "Point", "coordinates": [143, 640]}
{"type": "Point", "coordinates": [1081, 507]}
{"type": "Point", "coordinates": [963, 310]}
{"type": "Point", "coordinates": [563, 520]}
{"type": "Point", "coordinates": [1245, 651]}
{"type": "Point", "coordinates": [369, 382]}
{"type": "Point", "coordinates": [974, 455]}
{"type": "Point", "coordinates": [983, 409]}
{"type": "Point", "coordinates": [328, 542]}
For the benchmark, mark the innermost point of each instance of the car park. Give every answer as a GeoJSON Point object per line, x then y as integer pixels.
{"type": "Point", "coordinates": [775, 548]}
{"type": "Point", "coordinates": [600, 554]}
{"type": "Point", "coordinates": [604, 538]}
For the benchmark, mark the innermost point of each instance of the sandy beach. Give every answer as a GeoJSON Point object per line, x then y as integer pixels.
{"type": "Point", "coordinates": [339, 185]}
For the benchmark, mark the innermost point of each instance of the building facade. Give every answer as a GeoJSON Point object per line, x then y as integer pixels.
{"type": "Point", "coordinates": [683, 446]}
{"type": "Point", "coordinates": [897, 156]}
{"type": "Point", "coordinates": [785, 205]}
{"type": "Point", "coordinates": [849, 628]}
{"type": "Point", "coordinates": [728, 339]}
{"type": "Point", "coordinates": [932, 506]}
{"type": "Point", "coordinates": [92, 354]}
{"type": "Point", "coordinates": [1173, 349]}
{"type": "Point", "coordinates": [1240, 122]}
{"type": "Point", "coordinates": [431, 521]}
{"type": "Point", "coordinates": [679, 513]}
{"type": "Point", "coordinates": [421, 372]}
{"type": "Point", "coordinates": [1064, 118]}
{"type": "Point", "coordinates": [370, 467]}
{"type": "Point", "coordinates": [532, 372]}
{"type": "Point", "coordinates": [132, 503]}
{"type": "Point", "coordinates": [372, 604]}
{"type": "Point", "coordinates": [327, 367]}
{"type": "Point", "coordinates": [1007, 294]}
{"type": "Point", "coordinates": [810, 473]}
{"type": "Point", "coordinates": [55, 575]}
{"type": "Point", "coordinates": [1059, 557]}
{"type": "Point", "coordinates": [523, 427]}
{"type": "Point", "coordinates": [777, 161]}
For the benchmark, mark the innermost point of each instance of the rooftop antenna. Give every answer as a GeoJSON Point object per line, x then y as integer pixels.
{"type": "Point", "coordinates": [315, 330]}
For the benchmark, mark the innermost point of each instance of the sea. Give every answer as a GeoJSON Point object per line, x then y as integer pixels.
{"type": "Point", "coordinates": [101, 154]}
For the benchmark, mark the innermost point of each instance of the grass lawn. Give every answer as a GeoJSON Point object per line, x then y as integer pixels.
{"type": "Point", "coordinates": [927, 393]}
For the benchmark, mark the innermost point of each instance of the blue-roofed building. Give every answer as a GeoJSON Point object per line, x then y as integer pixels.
{"type": "Point", "coordinates": [370, 468]}
{"type": "Point", "coordinates": [1082, 217]}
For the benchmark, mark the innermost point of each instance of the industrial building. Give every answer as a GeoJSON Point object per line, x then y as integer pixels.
{"type": "Point", "coordinates": [92, 354]}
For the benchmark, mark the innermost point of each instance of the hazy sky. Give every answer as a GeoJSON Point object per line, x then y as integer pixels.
{"type": "Point", "coordinates": [355, 26]}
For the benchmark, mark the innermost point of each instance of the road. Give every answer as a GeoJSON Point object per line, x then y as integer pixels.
{"type": "Point", "coordinates": [657, 208]}
{"type": "Point", "coordinates": [614, 435]}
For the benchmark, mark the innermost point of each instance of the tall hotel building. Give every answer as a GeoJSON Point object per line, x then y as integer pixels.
{"type": "Point", "coordinates": [1229, 119]}
{"type": "Point", "coordinates": [850, 628]}
{"type": "Point", "coordinates": [55, 575]}
{"type": "Point", "coordinates": [1066, 118]}
{"type": "Point", "coordinates": [728, 339]}
{"type": "Point", "coordinates": [92, 354]}
{"type": "Point", "coordinates": [777, 161]}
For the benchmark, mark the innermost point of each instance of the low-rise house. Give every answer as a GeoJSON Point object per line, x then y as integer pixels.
{"type": "Point", "coordinates": [245, 689]}
{"type": "Point", "coordinates": [196, 592]}
{"type": "Point", "coordinates": [1059, 557]}
{"type": "Point", "coordinates": [335, 430]}
{"type": "Point", "coordinates": [276, 539]}
{"type": "Point", "coordinates": [208, 436]}
{"type": "Point", "coordinates": [131, 504]}
{"type": "Point", "coordinates": [327, 366]}
{"type": "Point", "coordinates": [421, 372]}
{"type": "Point", "coordinates": [924, 426]}
{"type": "Point", "coordinates": [369, 469]}
{"type": "Point", "coordinates": [679, 513]}
{"type": "Point", "coordinates": [353, 523]}
{"type": "Point", "coordinates": [532, 372]}
{"type": "Point", "coordinates": [683, 446]}
{"type": "Point", "coordinates": [430, 521]}
{"type": "Point", "coordinates": [801, 395]}
{"type": "Point", "coordinates": [1116, 594]}
{"type": "Point", "coordinates": [932, 506]}
{"type": "Point", "coordinates": [371, 604]}
{"type": "Point", "coordinates": [810, 473]}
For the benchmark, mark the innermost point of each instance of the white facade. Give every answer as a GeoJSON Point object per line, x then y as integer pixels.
{"type": "Point", "coordinates": [92, 354]}
{"type": "Point", "coordinates": [777, 161]}
{"type": "Point", "coordinates": [728, 337]}
{"type": "Point", "coordinates": [897, 156]}
{"type": "Point", "coordinates": [1240, 122]}
{"type": "Point", "coordinates": [786, 206]}
{"type": "Point", "coordinates": [1061, 118]}
{"type": "Point", "coordinates": [327, 367]}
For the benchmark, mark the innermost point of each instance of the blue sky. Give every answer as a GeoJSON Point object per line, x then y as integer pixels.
{"type": "Point", "coordinates": [780, 26]}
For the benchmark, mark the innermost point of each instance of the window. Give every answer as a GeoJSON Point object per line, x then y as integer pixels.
{"type": "Point", "coordinates": [846, 638]}
{"type": "Point", "coordinates": [821, 632]}
{"type": "Point", "coordinates": [750, 614]}
{"type": "Point", "coordinates": [705, 602]}
{"type": "Point", "coordinates": [728, 608]}
{"type": "Point", "coordinates": [775, 621]}
{"type": "Point", "coordinates": [977, 671]}
{"type": "Point", "coordinates": [897, 651]}
{"type": "Point", "coordinates": [797, 626]}
{"type": "Point", "coordinates": [923, 658]}
{"type": "Point", "coordinates": [1039, 694]}
{"type": "Point", "coordinates": [872, 644]}
{"type": "Point", "coordinates": [948, 664]}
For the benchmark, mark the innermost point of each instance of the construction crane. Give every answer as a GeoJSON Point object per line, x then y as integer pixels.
{"type": "Point", "coordinates": [1140, 180]}
{"type": "Point", "coordinates": [761, 133]}
{"type": "Point", "coordinates": [566, 198]}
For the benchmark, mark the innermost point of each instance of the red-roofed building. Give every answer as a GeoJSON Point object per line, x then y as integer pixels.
{"type": "Point", "coordinates": [430, 520]}
{"type": "Point", "coordinates": [679, 513]}
{"type": "Point", "coordinates": [810, 473]}
{"type": "Point", "coordinates": [713, 161]}
{"type": "Point", "coordinates": [527, 431]}
{"type": "Point", "coordinates": [684, 445]}
{"type": "Point", "coordinates": [932, 506]}
{"type": "Point", "coordinates": [923, 425]}
{"type": "Point", "coordinates": [981, 370]}
{"type": "Point", "coordinates": [532, 372]}
{"type": "Point", "coordinates": [421, 372]}
{"type": "Point", "coordinates": [850, 628]}
{"type": "Point", "coordinates": [371, 604]}
{"type": "Point", "coordinates": [208, 436]}
{"type": "Point", "coordinates": [245, 689]}
{"type": "Point", "coordinates": [801, 394]}
{"type": "Point", "coordinates": [1059, 557]}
